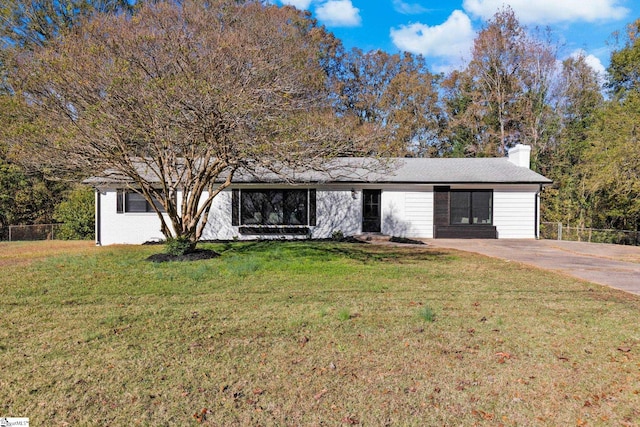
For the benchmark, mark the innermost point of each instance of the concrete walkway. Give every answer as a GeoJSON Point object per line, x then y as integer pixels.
{"type": "Point", "coordinates": [611, 265]}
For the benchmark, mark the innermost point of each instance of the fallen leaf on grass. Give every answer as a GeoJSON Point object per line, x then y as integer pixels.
{"type": "Point", "coordinates": [624, 349]}
{"type": "Point", "coordinates": [319, 395]}
{"type": "Point", "coordinates": [350, 420]}
{"type": "Point", "coordinates": [503, 356]}
{"type": "Point", "coordinates": [303, 341]}
{"type": "Point", "coordinates": [482, 414]}
{"type": "Point", "coordinates": [201, 416]}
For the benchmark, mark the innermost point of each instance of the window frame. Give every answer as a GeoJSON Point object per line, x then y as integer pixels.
{"type": "Point", "coordinates": [472, 212]}
{"type": "Point", "coordinates": [280, 202]}
{"type": "Point", "coordinates": [123, 204]}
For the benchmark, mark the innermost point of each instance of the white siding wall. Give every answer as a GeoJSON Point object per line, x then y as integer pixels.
{"type": "Point", "coordinates": [419, 212]}
{"type": "Point", "coordinates": [337, 210]}
{"type": "Point", "coordinates": [404, 213]}
{"type": "Point", "coordinates": [514, 212]}
{"type": "Point", "coordinates": [127, 228]}
{"type": "Point", "coordinates": [219, 221]}
{"type": "Point", "coordinates": [407, 213]}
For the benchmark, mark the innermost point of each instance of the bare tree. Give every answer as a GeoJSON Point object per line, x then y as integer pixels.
{"type": "Point", "coordinates": [486, 92]}
{"type": "Point", "coordinates": [33, 22]}
{"type": "Point", "coordinates": [180, 96]}
{"type": "Point", "coordinates": [539, 74]}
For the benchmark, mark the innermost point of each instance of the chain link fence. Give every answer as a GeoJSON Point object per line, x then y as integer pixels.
{"type": "Point", "coordinates": [15, 233]}
{"type": "Point", "coordinates": [558, 231]}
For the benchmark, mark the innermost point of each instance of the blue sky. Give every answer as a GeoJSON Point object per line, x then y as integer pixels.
{"type": "Point", "coordinates": [443, 31]}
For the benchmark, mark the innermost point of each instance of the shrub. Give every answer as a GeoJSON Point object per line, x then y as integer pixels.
{"type": "Point", "coordinates": [77, 215]}
{"type": "Point", "coordinates": [178, 246]}
{"type": "Point", "coordinates": [337, 235]}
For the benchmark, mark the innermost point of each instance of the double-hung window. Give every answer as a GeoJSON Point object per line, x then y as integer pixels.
{"type": "Point", "coordinates": [130, 201]}
{"type": "Point", "coordinates": [471, 207]}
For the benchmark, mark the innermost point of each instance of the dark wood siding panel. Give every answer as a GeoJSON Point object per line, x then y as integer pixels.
{"type": "Point", "coordinates": [441, 206]}
{"type": "Point", "coordinates": [466, 232]}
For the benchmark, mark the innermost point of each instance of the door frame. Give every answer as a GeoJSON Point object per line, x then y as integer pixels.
{"type": "Point", "coordinates": [372, 224]}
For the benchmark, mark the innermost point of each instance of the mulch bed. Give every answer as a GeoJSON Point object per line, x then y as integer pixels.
{"type": "Point", "coordinates": [198, 254]}
{"type": "Point", "coordinates": [406, 241]}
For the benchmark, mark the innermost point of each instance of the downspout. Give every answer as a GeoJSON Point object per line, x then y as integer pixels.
{"type": "Point", "coordinates": [97, 225]}
{"type": "Point", "coordinates": [537, 214]}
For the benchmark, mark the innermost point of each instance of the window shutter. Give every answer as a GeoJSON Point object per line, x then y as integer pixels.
{"type": "Point", "coordinates": [119, 201]}
{"type": "Point", "coordinates": [235, 207]}
{"type": "Point", "coordinates": [312, 207]}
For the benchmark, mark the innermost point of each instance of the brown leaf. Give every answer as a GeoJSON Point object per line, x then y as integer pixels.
{"type": "Point", "coordinates": [350, 420]}
{"type": "Point", "coordinates": [624, 349]}
{"type": "Point", "coordinates": [303, 340]}
{"type": "Point", "coordinates": [319, 395]}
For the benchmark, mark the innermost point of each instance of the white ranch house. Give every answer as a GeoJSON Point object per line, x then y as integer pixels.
{"type": "Point", "coordinates": [410, 197]}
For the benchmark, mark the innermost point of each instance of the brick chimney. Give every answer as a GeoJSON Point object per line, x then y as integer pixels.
{"type": "Point", "coordinates": [520, 155]}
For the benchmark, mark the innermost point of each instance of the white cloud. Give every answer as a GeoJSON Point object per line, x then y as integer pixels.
{"type": "Point", "coordinates": [550, 11]}
{"type": "Point", "coordinates": [592, 61]}
{"type": "Point", "coordinates": [452, 39]}
{"type": "Point", "coordinates": [403, 7]}
{"type": "Point", "coordinates": [300, 4]}
{"type": "Point", "coordinates": [339, 13]}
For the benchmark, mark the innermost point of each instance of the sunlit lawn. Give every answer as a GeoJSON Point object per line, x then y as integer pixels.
{"type": "Point", "coordinates": [309, 333]}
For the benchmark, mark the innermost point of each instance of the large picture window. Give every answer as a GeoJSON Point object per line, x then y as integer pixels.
{"type": "Point", "coordinates": [130, 201]}
{"type": "Point", "coordinates": [471, 207]}
{"type": "Point", "coordinates": [274, 207]}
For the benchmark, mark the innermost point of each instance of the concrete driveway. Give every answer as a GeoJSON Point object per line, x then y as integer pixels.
{"type": "Point", "coordinates": [611, 265]}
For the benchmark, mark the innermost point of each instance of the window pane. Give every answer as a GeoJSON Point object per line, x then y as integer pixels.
{"type": "Point", "coordinates": [261, 207]}
{"type": "Point", "coordinates": [119, 201]}
{"type": "Point", "coordinates": [460, 207]}
{"type": "Point", "coordinates": [158, 205]}
{"type": "Point", "coordinates": [295, 207]}
{"type": "Point", "coordinates": [135, 202]}
{"type": "Point", "coordinates": [252, 207]}
{"type": "Point", "coordinates": [481, 207]}
{"type": "Point", "coordinates": [371, 206]}
{"type": "Point", "coordinates": [274, 207]}
{"type": "Point", "coordinates": [273, 211]}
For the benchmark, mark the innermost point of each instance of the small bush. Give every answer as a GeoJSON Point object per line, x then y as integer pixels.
{"type": "Point", "coordinates": [77, 215]}
{"type": "Point", "coordinates": [337, 235]}
{"type": "Point", "coordinates": [427, 314]}
{"type": "Point", "coordinates": [178, 246]}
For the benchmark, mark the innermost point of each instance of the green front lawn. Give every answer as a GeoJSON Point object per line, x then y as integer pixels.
{"type": "Point", "coordinates": [309, 333]}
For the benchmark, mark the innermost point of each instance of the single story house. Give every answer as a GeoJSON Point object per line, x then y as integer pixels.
{"type": "Point", "coordinates": [405, 197]}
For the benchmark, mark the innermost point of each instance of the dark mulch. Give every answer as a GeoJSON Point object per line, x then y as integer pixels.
{"type": "Point", "coordinates": [196, 255]}
{"type": "Point", "coordinates": [405, 240]}
{"type": "Point", "coordinates": [350, 239]}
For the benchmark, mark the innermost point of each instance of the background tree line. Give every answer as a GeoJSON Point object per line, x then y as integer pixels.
{"type": "Point", "coordinates": [583, 127]}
